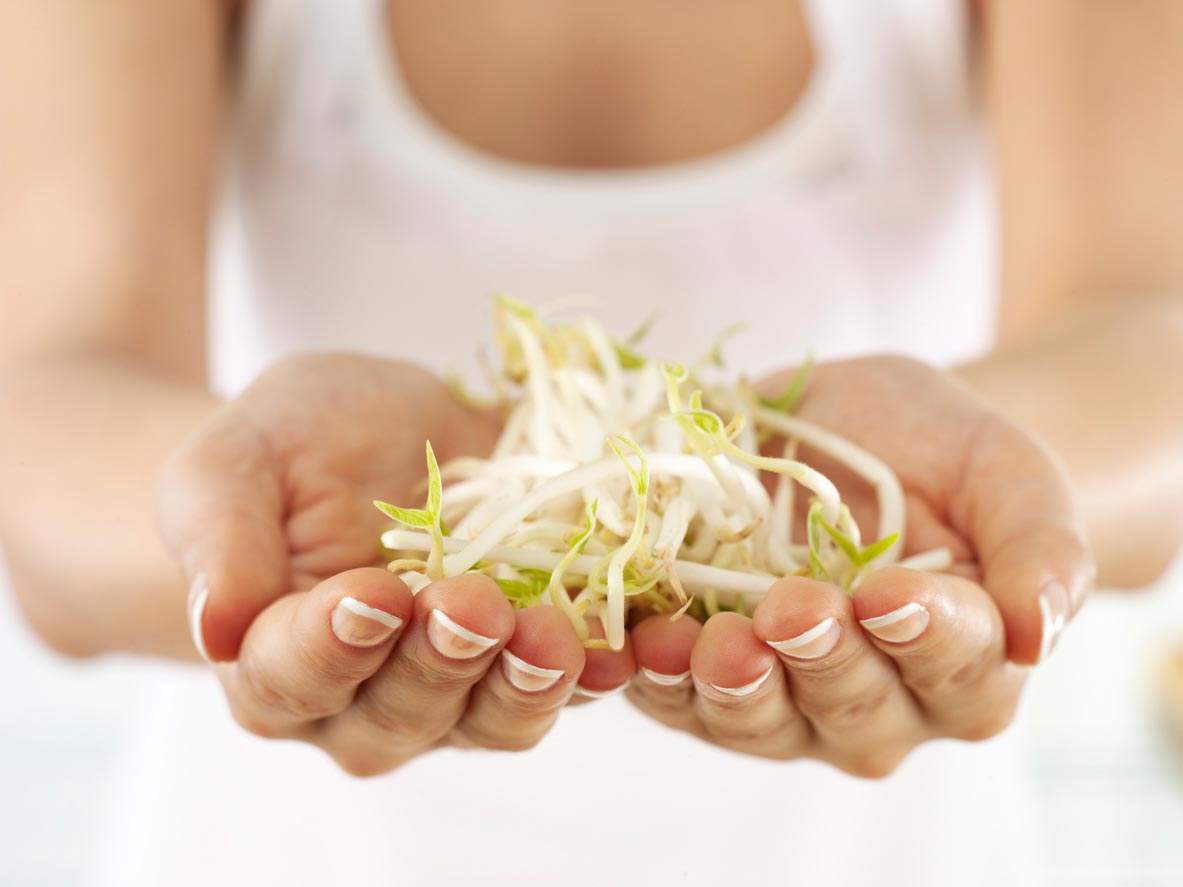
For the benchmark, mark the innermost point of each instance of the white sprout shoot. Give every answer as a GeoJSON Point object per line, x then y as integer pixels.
{"type": "Point", "coordinates": [609, 492]}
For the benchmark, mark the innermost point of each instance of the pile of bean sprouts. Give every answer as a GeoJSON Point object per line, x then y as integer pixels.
{"type": "Point", "coordinates": [617, 484]}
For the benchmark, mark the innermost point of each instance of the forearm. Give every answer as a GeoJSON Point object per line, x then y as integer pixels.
{"type": "Point", "coordinates": [1102, 388]}
{"type": "Point", "coordinates": [85, 436]}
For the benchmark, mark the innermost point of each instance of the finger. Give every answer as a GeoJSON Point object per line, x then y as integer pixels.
{"type": "Point", "coordinates": [663, 688]}
{"type": "Point", "coordinates": [220, 510]}
{"type": "Point", "coordinates": [742, 698]}
{"type": "Point", "coordinates": [663, 648]}
{"type": "Point", "coordinates": [606, 672]}
{"type": "Point", "coordinates": [515, 704]}
{"type": "Point", "coordinates": [946, 637]}
{"type": "Point", "coordinates": [1018, 512]}
{"type": "Point", "coordinates": [305, 655]}
{"type": "Point", "coordinates": [458, 627]}
{"type": "Point", "coordinates": [849, 691]}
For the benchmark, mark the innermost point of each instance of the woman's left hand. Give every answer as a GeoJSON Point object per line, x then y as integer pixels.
{"type": "Point", "coordinates": [860, 681]}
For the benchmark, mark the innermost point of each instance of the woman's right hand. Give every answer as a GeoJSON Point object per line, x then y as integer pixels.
{"type": "Point", "coordinates": [268, 511]}
{"type": "Point", "coordinates": [376, 676]}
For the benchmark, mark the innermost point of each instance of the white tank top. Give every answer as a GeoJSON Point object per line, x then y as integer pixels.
{"type": "Point", "coordinates": [350, 221]}
{"type": "Point", "coordinates": [860, 223]}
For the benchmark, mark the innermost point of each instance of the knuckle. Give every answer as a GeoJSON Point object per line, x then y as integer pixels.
{"type": "Point", "coordinates": [303, 705]}
{"type": "Point", "coordinates": [501, 740]}
{"type": "Point", "coordinates": [331, 667]}
{"type": "Point", "coordinates": [750, 739]}
{"type": "Point", "coordinates": [399, 730]}
{"type": "Point", "coordinates": [852, 712]}
{"type": "Point", "coordinates": [667, 700]}
{"type": "Point", "coordinates": [950, 682]}
{"type": "Point", "coordinates": [833, 668]}
{"type": "Point", "coordinates": [989, 724]}
{"type": "Point", "coordinates": [522, 707]}
{"type": "Point", "coordinates": [254, 724]}
{"type": "Point", "coordinates": [421, 671]}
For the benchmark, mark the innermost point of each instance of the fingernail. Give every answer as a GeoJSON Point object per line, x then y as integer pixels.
{"type": "Point", "coordinates": [198, 595]}
{"type": "Point", "coordinates": [665, 680]}
{"type": "Point", "coordinates": [813, 644]}
{"type": "Point", "coordinates": [599, 694]}
{"type": "Point", "coordinates": [1053, 608]}
{"type": "Point", "coordinates": [526, 677]}
{"type": "Point", "coordinates": [361, 625]}
{"type": "Point", "coordinates": [898, 626]}
{"type": "Point", "coordinates": [454, 640]}
{"type": "Point", "coordinates": [746, 689]}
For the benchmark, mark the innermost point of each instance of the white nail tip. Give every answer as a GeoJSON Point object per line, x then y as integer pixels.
{"type": "Point", "coordinates": [665, 680]}
{"type": "Point", "coordinates": [746, 689]}
{"type": "Point", "coordinates": [198, 595]}
{"type": "Point", "coordinates": [893, 617]}
{"type": "Point", "coordinates": [1052, 624]}
{"type": "Point", "coordinates": [526, 677]}
{"type": "Point", "coordinates": [454, 640]}
{"type": "Point", "coordinates": [812, 644]}
{"type": "Point", "coordinates": [353, 605]}
{"type": "Point", "coordinates": [599, 694]}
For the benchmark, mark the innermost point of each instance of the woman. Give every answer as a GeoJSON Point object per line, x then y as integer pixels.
{"type": "Point", "coordinates": [816, 169]}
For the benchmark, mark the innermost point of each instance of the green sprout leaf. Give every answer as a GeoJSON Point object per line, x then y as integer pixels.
{"type": "Point", "coordinates": [435, 487]}
{"type": "Point", "coordinates": [703, 420]}
{"type": "Point", "coordinates": [844, 542]}
{"type": "Point", "coordinates": [527, 589]}
{"type": "Point", "coordinates": [788, 399]}
{"type": "Point", "coordinates": [516, 307]}
{"type": "Point", "coordinates": [554, 585]}
{"type": "Point", "coordinates": [873, 551]}
{"type": "Point", "coordinates": [714, 355]}
{"type": "Point", "coordinates": [638, 477]}
{"type": "Point", "coordinates": [638, 335]}
{"type": "Point", "coordinates": [411, 517]}
{"type": "Point", "coordinates": [813, 533]}
{"type": "Point", "coordinates": [629, 359]}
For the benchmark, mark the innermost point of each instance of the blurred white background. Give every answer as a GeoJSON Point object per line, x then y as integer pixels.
{"type": "Point", "coordinates": [1110, 777]}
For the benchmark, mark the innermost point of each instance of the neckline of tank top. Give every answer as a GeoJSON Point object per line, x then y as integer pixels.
{"type": "Point", "coordinates": [802, 146]}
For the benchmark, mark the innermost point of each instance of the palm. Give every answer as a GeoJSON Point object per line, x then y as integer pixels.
{"type": "Point", "coordinates": [281, 482]}
{"type": "Point", "coordinates": [924, 426]}
{"type": "Point", "coordinates": [354, 432]}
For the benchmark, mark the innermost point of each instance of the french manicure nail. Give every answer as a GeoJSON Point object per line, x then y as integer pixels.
{"type": "Point", "coordinates": [599, 694]}
{"type": "Point", "coordinates": [664, 680]}
{"type": "Point", "coordinates": [746, 689]}
{"type": "Point", "coordinates": [812, 644]}
{"type": "Point", "coordinates": [899, 626]}
{"type": "Point", "coordinates": [361, 625]}
{"type": "Point", "coordinates": [454, 640]}
{"type": "Point", "coordinates": [526, 677]}
{"type": "Point", "coordinates": [1053, 607]}
{"type": "Point", "coordinates": [198, 595]}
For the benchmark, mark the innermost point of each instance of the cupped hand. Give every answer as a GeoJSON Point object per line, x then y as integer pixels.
{"type": "Point", "coordinates": [861, 681]}
{"type": "Point", "coordinates": [267, 510]}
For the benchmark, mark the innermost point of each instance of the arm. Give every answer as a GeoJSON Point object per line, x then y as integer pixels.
{"type": "Point", "coordinates": [110, 116]}
{"type": "Point", "coordinates": [110, 113]}
{"type": "Point", "coordinates": [1084, 101]}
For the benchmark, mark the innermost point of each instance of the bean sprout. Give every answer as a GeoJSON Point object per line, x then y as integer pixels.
{"type": "Point", "coordinates": [617, 485]}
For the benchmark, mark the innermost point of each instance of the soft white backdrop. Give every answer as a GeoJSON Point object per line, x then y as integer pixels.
{"type": "Point", "coordinates": [1109, 778]}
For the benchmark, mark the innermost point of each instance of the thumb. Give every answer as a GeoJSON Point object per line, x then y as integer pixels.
{"type": "Point", "coordinates": [220, 510]}
{"type": "Point", "coordinates": [1030, 539]}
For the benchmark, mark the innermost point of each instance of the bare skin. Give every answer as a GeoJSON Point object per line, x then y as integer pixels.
{"type": "Point", "coordinates": [102, 384]}
{"type": "Point", "coordinates": [862, 695]}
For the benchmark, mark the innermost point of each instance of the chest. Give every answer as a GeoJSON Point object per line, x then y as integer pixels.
{"type": "Point", "coordinates": [595, 84]}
